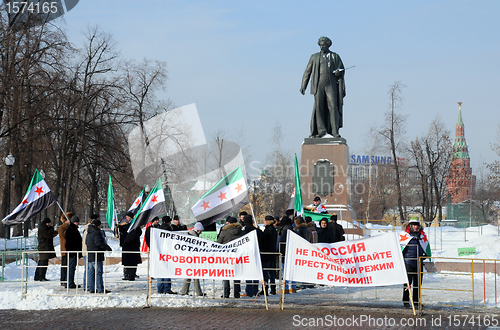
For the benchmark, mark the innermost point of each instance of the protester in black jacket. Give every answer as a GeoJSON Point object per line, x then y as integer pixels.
{"type": "Point", "coordinates": [46, 234]}
{"type": "Point", "coordinates": [252, 286]}
{"type": "Point", "coordinates": [96, 242]}
{"type": "Point", "coordinates": [325, 235]}
{"type": "Point", "coordinates": [286, 225]}
{"type": "Point", "coordinates": [231, 231]}
{"type": "Point", "coordinates": [338, 230]}
{"type": "Point", "coordinates": [177, 224]}
{"type": "Point", "coordinates": [270, 238]}
{"type": "Point", "coordinates": [130, 242]}
{"type": "Point", "coordinates": [301, 229]}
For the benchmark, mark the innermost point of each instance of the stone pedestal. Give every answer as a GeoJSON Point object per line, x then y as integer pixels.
{"type": "Point", "coordinates": [323, 172]}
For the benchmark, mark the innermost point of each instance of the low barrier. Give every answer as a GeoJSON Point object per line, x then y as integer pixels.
{"type": "Point", "coordinates": [473, 283]}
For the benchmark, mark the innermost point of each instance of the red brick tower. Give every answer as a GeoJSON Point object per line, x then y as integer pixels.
{"type": "Point", "coordinates": [460, 184]}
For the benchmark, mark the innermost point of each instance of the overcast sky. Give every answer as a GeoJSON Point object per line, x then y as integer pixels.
{"type": "Point", "coordinates": [242, 62]}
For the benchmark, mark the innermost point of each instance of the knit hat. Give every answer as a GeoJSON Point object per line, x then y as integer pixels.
{"type": "Point", "coordinates": [75, 219]}
{"type": "Point", "coordinates": [166, 219]}
{"type": "Point", "coordinates": [231, 220]}
{"type": "Point", "coordinates": [198, 226]}
{"type": "Point", "coordinates": [46, 221]}
{"type": "Point", "coordinates": [176, 217]}
{"type": "Point", "coordinates": [317, 199]}
{"type": "Point", "coordinates": [96, 223]}
{"type": "Point", "coordinates": [269, 218]}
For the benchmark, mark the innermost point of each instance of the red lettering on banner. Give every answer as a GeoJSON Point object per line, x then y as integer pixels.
{"type": "Point", "coordinates": [232, 272]}
{"type": "Point", "coordinates": [162, 257]}
{"type": "Point", "coordinates": [303, 252]}
{"type": "Point", "coordinates": [212, 272]}
{"type": "Point", "coordinates": [239, 260]}
{"type": "Point", "coordinates": [204, 272]}
{"type": "Point", "coordinates": [361, 247]}
{"type": "Point", "coordinates": [178, 271]}
{"type": "Point", "coordinates": [220, 272]}
{"type": "Point", "coordinates": [211, 260]}
{"type": "Point", "coordinates": [189, 260]}
{"type": "Point", "coordinates": [189, 272]}
{"type": "Point", "coordinates": [168, 257]}
{"type": "Point", "coordinates": [304, 262]}
{"type": "Point", "coordinates": [197, 272]}
{"type": "Point", "coordinates": [246, 259]}
{"type": "Point", "coordinates": [298, 262]}
{"type": "Point", "coordinates": [319, 276]}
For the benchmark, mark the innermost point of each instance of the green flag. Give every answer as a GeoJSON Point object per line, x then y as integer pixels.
{"type": "Point", "coordinates": [111, 211]}
{"type": "Point", "coordinates": [298, 192]}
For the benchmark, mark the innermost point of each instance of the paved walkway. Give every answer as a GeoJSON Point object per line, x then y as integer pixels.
{"type": "Point", "coordinates": [337, 316]}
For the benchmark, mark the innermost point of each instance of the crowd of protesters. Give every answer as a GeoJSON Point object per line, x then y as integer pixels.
{"type": "Point", "coordinates": [271, 240]}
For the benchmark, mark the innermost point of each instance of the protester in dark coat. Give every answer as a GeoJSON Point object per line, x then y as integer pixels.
{"type": "Point", "coordinates": [338, 230]}
{"type": "Point", "coordinates": [252, 286]}
{"type": "Point", "coordinates": [177, 224]}
{"type": "Point", "coordinates": [46, 234]}
{"type": "Point", "coordinates": [61, 230]}
{"type": "Point", "coordinates": [130, 242]}
{"type": "Point", "coordinates": [311, 226]}
{"type": "Point", "coordinates": [73, 242]}
{"type": "Point", "coordinates": [301, 229]}
{"type": "Point", "coordinates": [270, 237]}
{"type": "Point", "coordinates": [96, 242]}
{"type": "Point", "coordinates": [325, 235]}
{"type": "Point", "coordinates": [231, 231]}
{"type": "Point", "coordinates": [164, 285]}
{"type": "Point", "coordinates": [286, 225]}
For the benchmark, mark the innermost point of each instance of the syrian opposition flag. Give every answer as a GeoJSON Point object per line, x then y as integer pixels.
{"type": "Point", "coordinates": [37, 199]}
{"type": "Point", "coordinates": [153, 206]}
{"type": "Point", "coordinates": [297, 191]}
{"type": "Point", "coordinates": [111, 210]}
{"type": "Point", "coordinates": [228, 195]}
{"type": "Point", "coordinates": [136, 205]}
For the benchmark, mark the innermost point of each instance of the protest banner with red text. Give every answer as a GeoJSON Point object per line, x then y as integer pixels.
{"type": "Point", "coordinates": [374, 261]}
{"type": "Point", "coordinates": [175, 255]}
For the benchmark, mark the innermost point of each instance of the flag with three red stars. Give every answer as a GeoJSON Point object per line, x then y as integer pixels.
{"type": "Point", "coordinates": [227, 196]}
{"type": "Point", "coordinates": [37, 199]}
{"type": "Point", "coordinates": [153, 206]}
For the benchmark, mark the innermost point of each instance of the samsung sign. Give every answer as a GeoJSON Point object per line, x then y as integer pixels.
{"type": "Point", "coordinates": [365, 159]}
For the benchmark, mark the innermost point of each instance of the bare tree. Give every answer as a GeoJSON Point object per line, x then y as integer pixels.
{"type": "Point", "coordinates": [432, 155]}
{"type": "Point", "coordinates": [392, 133]}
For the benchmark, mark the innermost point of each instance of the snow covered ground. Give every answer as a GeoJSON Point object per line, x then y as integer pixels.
{"type": "Point", "coordinates": [441, 289]}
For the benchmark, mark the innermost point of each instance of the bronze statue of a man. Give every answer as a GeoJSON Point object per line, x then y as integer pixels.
{"type": "Point", "coordinates": [326, 71]}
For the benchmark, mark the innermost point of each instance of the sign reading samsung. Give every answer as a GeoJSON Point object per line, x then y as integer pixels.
{"type": "Point", "coordinates": [365, 159]}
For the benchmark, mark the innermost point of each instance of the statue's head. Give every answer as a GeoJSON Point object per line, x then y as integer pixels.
{"type": "Point", "coordinates": [324, 43]}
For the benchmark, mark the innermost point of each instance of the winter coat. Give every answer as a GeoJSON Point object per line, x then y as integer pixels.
{"type": "Point", "coordinates": [95, 242]}
{"type": "Point", "coordinates": [282, 246]}
{"type": "Point", "coordinates": [84, 239]}
{"type": "Point", "coordinates": [260, 234]}
{"type": "Point", "coordinates": [311, 226]}
{"type": "Point", "coordinates": [302, 231]}
{"type": "Point", "coordinates": [338, 231]}
{"type": "Point", "coordinates": [70, 239]}
{"type": "Point", "coordinates": [229, 233]}
{"type": "Point", "coordinates": [325, 235]}
{"type": "Point", "coordinates": [270, 236]}
{"type": "Point", "coordinates": [413, 244]}
{"type": "Point", "coordinates": [179, 227]}
{"type": "Point", "coordinates": [46, 236]}
{"type": "Point", "coordinates": [130, 242]}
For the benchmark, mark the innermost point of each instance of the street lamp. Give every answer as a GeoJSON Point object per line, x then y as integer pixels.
{"type": "Point", "coordinates": [9, 161]}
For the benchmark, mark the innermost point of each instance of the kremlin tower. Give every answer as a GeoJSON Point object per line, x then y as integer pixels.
{"type": "Point", "coordinates": [460, 184]}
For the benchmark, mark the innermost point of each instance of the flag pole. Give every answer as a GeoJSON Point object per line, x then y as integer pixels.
{"type": "Point", "coordinates": [62, 211]}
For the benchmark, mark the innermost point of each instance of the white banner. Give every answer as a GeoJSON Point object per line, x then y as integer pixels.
{"type": "Point", "coordinates": [175, 255]}
{"type": "Point", "coordinates": [374, 261]}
